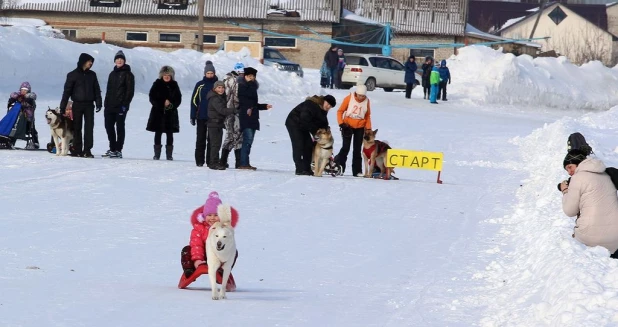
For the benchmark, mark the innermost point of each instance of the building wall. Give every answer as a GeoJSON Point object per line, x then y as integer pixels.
{"type": "Point", "coordinates": [575, 37]}
{"type": "Point", "coordinates": [402, 54]}
{"type": "Point", "coordinates": [612, 19]}
{"type": "Point", "coordinates": [506, 47]}
{"type": "Point", "coordinates": [92, 26]}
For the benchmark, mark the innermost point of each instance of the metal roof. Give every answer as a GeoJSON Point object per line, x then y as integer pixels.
{"type": "Point", "coordinates": [439, 17]}
{"type": "Point", "coordinates": [310, 10]}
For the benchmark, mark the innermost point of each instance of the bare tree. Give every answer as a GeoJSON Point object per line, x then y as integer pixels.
{"type": "Point", "coordinates": [583, 45]}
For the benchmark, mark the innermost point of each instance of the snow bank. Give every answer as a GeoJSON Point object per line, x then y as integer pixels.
{"type": "Point", "coordinates": [483, 75]}
{"type": "Point", "coordinates": [542, 276]}
{"type": "Point", "coordinates": [27, 53]}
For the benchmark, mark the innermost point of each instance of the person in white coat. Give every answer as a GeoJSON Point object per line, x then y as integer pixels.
{"type": "Point", "coordinates": [591, 196]}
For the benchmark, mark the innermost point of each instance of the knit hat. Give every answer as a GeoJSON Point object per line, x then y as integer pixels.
{"type": "Point", "coordinates": [167, 70]}
{"type": "Point", "coordinates": [209, 67]}
{"type": "Point", "coordinates": [331, 100]}
{"type": "Point", "coordinates": [210, 206]}
{"type": "Point", "coordinates": [250, 71]}
{"type": "Point", "coordinates": [361, 89]}
{"type": "Point", "coordinates": [575, 157]}
{"type": "Point", "coordinates": [25, 85]}
{"type": "Point", "coordinates": [120, 55]}
{"type": "Point", "coordinates": [239, 68]}
{"type": "Point", "coordinates": [218, 83]}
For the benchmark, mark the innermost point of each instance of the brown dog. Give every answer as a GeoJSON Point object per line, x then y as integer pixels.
{"type": "Point", "coordinates": [374, 153]}
{"type": "Point", "coordinates": [323, 150]}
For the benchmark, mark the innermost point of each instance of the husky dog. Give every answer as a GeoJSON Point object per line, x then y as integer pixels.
{"type": "Point", "coordinates": [61, 128]}
{"type": "Point", "coordinates": [323, 150]}
{"type": "Point", "coordinates": [220, 250]}
{"type": "Point", "coordinates": [374, 153]}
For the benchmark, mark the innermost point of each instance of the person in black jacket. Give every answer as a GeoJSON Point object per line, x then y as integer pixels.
{"type": "Point", "coordinates": [82, 86]}
{"type": "Point", "coordinates": [199, 113]}
{"type": "Point", "coordinates": [249, 114]}
{"type": "Point", "coordinates": [303, 122]}
{"type": "Point", "coordinates": [165, 97]}
{"type": "Point", "coordinates": [217, 112]}
{"type": "Point", "coordinates": [427, 67]}
{"type": "Point", "coordinates": [332, 63]}
{"type": "Point", "coordinates": [120, 91]}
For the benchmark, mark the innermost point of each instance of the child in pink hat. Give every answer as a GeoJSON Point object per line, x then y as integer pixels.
{"type": "Point", "coordinates": [193, 256]}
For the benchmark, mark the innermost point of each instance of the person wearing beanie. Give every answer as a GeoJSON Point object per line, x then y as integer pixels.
{"type": "Point", "coordinates": [591, 196]}
{"type": "Point", "coordinates": [434, 81]}
{"type": "Point", "coordinates": [199, 114]}
{"type": "Point", "coordinates": [445, 78]}
{"type": "Point", "coordinates": [353, 117]}
{"type": "Point", "coordinates": [193, 256]}
{"type": "Point", "coordinates": [120, 91]}
{"type": "Point", "coordinates": [27, 99]}
{"type": "Point", "coordinates": [82, 87]}
{"type": "Point", "coordinates": [233, 135]}
{"type": "Point", "coordinates": [249, 114]}
{"type": "Point", "coordinates": [302, 124]}
{"type": "Point", "coordinates": [165, 97]}
{"type": "Point", "coordinates": [217, 114]}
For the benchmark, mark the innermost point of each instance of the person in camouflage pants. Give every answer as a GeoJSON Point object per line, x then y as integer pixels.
{"type": "Point", "coordinates": [233, 137]}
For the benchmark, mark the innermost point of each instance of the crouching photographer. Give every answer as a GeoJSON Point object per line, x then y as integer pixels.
{"type": "Point", "coordinates": [590, 195]}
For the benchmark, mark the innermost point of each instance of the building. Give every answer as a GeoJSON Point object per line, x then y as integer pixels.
{"type": "Point", "coordinates": [473, 35]}
{"type": "Point", "coordinates": [579, 32]}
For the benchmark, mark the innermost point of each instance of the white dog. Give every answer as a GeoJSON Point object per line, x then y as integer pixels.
{"type": "Point", "coordinates": [220, 250]}
{"type": "Point", "coordinates": [62, 128]}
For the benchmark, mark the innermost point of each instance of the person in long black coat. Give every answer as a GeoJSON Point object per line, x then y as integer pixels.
{"type": "Point", "coordinates": [303, 122]}
{"type": "Point", "coordinates": [249, 114]}
{"type": "Point", "coordinates": [165, 97]}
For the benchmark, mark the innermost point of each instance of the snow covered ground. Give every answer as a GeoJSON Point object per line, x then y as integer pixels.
{"type": "Point", "coordinates": [97, 242]}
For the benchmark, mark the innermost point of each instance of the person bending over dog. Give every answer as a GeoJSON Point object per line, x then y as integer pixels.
{"type": "Point", "coordinates": [303, 122]}
{"type": "Point", "coordinates": [591, 196]}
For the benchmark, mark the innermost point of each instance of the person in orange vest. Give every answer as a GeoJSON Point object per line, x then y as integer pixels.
{"type": "Point", "coordinates": [354, 116]}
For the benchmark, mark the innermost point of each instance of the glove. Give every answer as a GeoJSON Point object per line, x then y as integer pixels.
{"type": "Point", "coordinates": [193, 122]}
{"type": "Point", "coordinates": [98, 109]}
{"type": "Point", "coordinates": [124, 109]}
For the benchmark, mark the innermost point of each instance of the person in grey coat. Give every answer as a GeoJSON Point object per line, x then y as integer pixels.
{"type": "Point", "coordinates": [217, 113]}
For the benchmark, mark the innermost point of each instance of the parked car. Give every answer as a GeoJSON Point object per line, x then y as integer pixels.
{"type": "Point", "coordinates": [374, 71]}
{"type": "Point", "coordinates": [274, 58]}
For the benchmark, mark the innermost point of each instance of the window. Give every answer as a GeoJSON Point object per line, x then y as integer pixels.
{"type": "Point", "coordinates": [70, 34]}
{"type": "Point", "coordinates": [420, 54]}
{"type": "Point", "coordinates": [169, 37]}
{"type": "Point", "coordinates": [395, 65]}
{"type": "Point", "coordinates": [237, 38]}
{"type": "Point", "coordinates": [358, 61]}
{"type": "Point", "coordinates": [557, 15]}
{"type": "Point", "coordinates": [172, 4]}
{"type": "Point", "coordinates": [208, 38]}
{"type": "Point", "coordinates": [105, 3]}
{"type": "Point", "coordinates": [137, 36]}
{"type": "Point", "coordinates": [281, 42]}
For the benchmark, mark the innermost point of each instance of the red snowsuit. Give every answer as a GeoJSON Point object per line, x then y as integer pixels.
{"type": "Point", "coordinates": [199, 234]}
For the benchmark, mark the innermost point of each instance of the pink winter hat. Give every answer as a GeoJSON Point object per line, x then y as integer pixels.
{"type": "Point", "coordinates": [211, 204]}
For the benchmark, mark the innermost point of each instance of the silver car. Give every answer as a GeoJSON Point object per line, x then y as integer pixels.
{"type": "Point", "coordinates": [274, 58]}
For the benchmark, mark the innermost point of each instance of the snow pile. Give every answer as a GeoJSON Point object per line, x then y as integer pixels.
{"type": "Point", "coordinates": [30, 53]}
{"type": "Point", "coordinates": [483, 75]}
{"type": "Point", "coordinates": [511, 21]}
{"type": "Point", "coordinates": [541, 274]}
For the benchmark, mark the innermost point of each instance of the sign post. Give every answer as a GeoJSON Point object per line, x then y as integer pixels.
{"type": "Point", "coordinates": [415, 160]}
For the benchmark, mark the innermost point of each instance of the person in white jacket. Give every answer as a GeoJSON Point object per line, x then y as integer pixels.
{"type": "Point", "coordinates": [591, 196]}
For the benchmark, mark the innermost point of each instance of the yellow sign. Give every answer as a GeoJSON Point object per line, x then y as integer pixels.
{"type": "Point", "coordinates": [414, 159]}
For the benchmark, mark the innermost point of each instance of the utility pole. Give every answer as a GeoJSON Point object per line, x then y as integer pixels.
{"type": "Point", "coordinates": [538, 17]}
{"type": "Point", "coordinates": [199, 42]}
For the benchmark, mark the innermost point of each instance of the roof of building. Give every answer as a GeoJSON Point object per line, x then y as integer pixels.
{"type": "Point", "coordinates": [309, 10]}
{"type": "Point", "coordinates": [475, 32]}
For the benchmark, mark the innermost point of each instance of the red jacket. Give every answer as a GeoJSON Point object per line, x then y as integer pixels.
{"type": "Point", "coordinates": [199, 234]}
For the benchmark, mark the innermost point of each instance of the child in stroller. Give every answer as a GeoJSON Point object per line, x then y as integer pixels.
{"type": "Point", "coordinates": [25, 118]}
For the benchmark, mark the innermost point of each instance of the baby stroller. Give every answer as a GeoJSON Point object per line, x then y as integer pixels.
{"type": "Point", "coordinates": [15, 126]}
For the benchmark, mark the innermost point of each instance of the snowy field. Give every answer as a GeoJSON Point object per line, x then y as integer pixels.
{"type": "Point", "coordinates": [96, 242]}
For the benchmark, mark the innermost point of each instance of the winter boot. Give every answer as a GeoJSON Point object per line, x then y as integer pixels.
{"type": "Point", "coordinates": [157, 152]}
{"type": "Point", "coordinates": [237, 156]}
{"type": "Point", "coordinates": [186, 262]}
{"type": "Point", "coordinates": [225, 153]}
{"type": "Point", "coordinates": [168, 152]}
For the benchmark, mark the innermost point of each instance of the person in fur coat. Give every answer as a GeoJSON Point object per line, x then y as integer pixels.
{"type": "Point", "coordinates": [591, 196]}
{"type": "Point", "coordinates": [27, 99]}
{"type": "Point", "coordinates": [202, 218]}
{"type": "Point", "coordinates": [165, 97]}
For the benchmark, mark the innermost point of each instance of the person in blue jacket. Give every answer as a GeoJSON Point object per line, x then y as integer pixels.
{"type": "Point", "coordinates": [445, 76]}
{"type": "Point", "coordinates": [199, 113]}
{"type": "Point", "coordinates": [410, 77]}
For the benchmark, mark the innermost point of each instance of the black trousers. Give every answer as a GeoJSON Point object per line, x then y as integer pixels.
{"type": "Point", "coordinates": [409, 87]}
{"type": "Point", "coordinates": [357, 159]}
{"type": "Point", "coordinates": [114, 126]}
{"type": "Point", "coordinates": [201, 143]}
{"type": "Point", "coordinates": [215, 139]}
{"type": "Point", "coordinates": [83, 115]}
{"type": "Point", "coordinates": [442, 90]}
{"type": "Point", "coordinates": [169, 138]}
{"type": "Point", "coordinates": [302, 148]}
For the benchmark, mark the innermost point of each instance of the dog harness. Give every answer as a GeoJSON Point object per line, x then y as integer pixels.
{"type": "Point", "coordinates": [382, 147]}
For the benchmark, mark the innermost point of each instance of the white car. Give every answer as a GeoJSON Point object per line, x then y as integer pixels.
{"type": "Point", "coordinates": [374, 71]}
